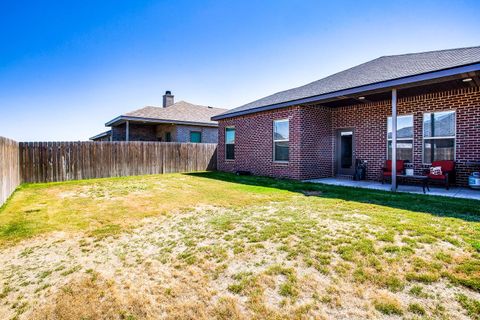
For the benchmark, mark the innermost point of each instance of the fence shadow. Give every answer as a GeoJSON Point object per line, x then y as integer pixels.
{"type": "Point", "coordinates": [465, 209]}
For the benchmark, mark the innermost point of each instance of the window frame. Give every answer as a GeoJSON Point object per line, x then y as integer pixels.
{"type": "Point", "coordinates": [454, 137]}
{"type": "Point", "coordinates": [195, 131]}
{"type": "Point", "coordinates": [404, 139]}
{"type": "Point", "coordinates": [225, 142]}
{"type": "Point", "coordinates": [280, 140]}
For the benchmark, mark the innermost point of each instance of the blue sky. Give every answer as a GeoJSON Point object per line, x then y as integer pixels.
{"type": "Point", "coordinates": [67, 67]}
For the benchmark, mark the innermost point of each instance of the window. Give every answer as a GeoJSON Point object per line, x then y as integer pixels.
{"type": "Point", "coordinates": [195, 136]}
{"type": "Point", "coordinates": [280, 140]}
{"type": "Point", "coordinates": [168, 137]}
{"type": "Point", "coordinates": [404, 138]}
{"type": "Point", "coordinates": [438, 136]}
{"type": "Point", "coordinates": [230, 143]}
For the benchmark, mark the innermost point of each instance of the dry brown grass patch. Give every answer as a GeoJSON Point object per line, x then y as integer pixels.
{"type": "Point", "coordinates": [227, 308]}
{"type": "Point", "coordinates": [388, 304]}
{"type": "Point", "coordinates": [92, 298]}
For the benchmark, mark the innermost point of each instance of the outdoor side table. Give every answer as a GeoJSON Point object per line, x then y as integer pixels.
{"type": "Point", "coordinates": [423, 180]}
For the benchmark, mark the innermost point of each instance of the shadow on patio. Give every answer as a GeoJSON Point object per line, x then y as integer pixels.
{"type": "Point", "coordinates": [441, 206]}
{"type": "Point", "coordinates": [455, 192]}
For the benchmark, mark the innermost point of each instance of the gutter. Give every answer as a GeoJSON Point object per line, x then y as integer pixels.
{"type": "Point", "coordinates": [378, 86]}
{"type": "Point", "coordinates": [122, 119]}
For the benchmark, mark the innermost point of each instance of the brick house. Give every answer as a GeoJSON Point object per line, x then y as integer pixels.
{"type": "Point", "coordinates": [104, 136]}
{"type": "Point", "coordinates": [318, 130]}
{"type": "Point", "coordinates": [173, 122]}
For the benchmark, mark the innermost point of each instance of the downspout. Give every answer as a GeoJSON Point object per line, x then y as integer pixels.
{"type": "Point", "coordinates": [127, 131]}
{"type": "Point", "coordinates": [394, 140]}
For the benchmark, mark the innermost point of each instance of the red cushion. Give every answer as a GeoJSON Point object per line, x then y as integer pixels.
{"type": "Point", "coordinates": [400, 165]}
{"type": "Point", "coordinates": [437, 176]}
{"type": "Point", "coordinates": [447, 165]}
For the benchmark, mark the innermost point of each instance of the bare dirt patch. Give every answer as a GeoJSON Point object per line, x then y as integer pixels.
{"type": "Point", "coordinates": [260, 262]}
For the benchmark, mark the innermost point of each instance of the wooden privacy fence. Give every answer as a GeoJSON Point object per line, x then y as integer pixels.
{"type": "Point", "coordinates": [62, 161]}
{"type": "Point", "coordinates": [9, 168]}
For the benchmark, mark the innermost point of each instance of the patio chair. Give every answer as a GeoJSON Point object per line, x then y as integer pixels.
{"type": "Point", "coordinates": [387, 169]}
{"type": "Point", "coordinates": [448, 172]}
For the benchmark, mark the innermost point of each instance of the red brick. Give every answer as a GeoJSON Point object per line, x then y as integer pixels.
{"type": "Point", "coordinates": [312, 132]}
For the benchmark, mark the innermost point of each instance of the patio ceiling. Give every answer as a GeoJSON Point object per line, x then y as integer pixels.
{"type": "Point", "coordinates": [442, 84]}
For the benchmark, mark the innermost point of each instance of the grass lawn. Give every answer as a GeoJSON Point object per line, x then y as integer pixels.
{"type": "Point", "coordinates": [218, 246]}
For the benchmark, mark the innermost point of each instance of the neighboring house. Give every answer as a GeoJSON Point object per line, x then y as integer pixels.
{"type": "Point", "coordinates": [318, 130]}
{"type": "Point", "coordinates": [104, 136]}
{"type": "Point", "coordinates": [174, 122]}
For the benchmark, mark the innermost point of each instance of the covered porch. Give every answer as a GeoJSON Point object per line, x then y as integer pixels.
{"type": "Point", "coordinates": [406, 131]}
{"type": "Point", "coordinates": [455, 192]}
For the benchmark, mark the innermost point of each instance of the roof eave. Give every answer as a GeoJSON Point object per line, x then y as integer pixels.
{"type": "Point", "coordinates": [100, 135]}
{"type": "Point", "coordinates": [121, 119]}
{"type": "Point", "coordinates": [362, 89]}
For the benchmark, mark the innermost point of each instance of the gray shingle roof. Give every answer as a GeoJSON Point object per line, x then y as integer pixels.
{"type": "Point", "coordinates": [378, 70]}
{"type": "Point", "coordinates": [178, 112]}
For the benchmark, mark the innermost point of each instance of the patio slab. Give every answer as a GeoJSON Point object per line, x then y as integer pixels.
{"type": "Point", "coordinates": [455, 192]}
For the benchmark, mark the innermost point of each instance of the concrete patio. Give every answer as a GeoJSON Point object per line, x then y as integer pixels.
{"type": "Point", "coordinates": [455, 192]}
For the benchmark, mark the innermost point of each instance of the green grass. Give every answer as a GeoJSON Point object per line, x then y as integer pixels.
{"type": "Point", "coordinates": [388, 306]}
{"type": "Point", "coordinates": [417, 291]}
{"type": "Point", "coordinates": [423, 277]}
{"type": "Point", "coordinates": [380, 239]}
{"type": "Point", "coordinates": [416, 308]}
{"type": "Point", "coordinates": [107, 206]}
{"type": "Point", "coordinates": [289, 287]}
{"type": "Point", "coordinates": [471, 306]}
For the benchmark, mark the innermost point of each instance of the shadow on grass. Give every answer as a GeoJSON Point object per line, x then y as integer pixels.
{"type": "Point", "coordinates": [468, 210]}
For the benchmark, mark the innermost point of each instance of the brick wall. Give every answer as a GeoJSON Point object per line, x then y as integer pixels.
{"type": "Point", "coordinates": [316, 142]}
{"type": "Point", "coordinates": [369, 124]}
{"type": "Point", "coordinates": [179, 133]}
{"type": "Point", "coordinates": [313, 128]}
{"type": "Point", "coordinates": [137, 132]}
{"type": "Point", "coordinates": [466, 103]}
{"type": "Point", "coordinates": [209, 134]}
{"type": "Point", "coordinates": [162, 130]}
{"type": "Point", "coordinates": [254, 144]}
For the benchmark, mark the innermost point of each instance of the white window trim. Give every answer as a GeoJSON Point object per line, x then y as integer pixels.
{"type": "Point", "coordinates": [234, 138]}
{"type": "Point", "coordinates": [404, 139]}
{"type": "Point", "coordinates": [454, 137]}
{"type": "Point", "coordinates": [280, 140]}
